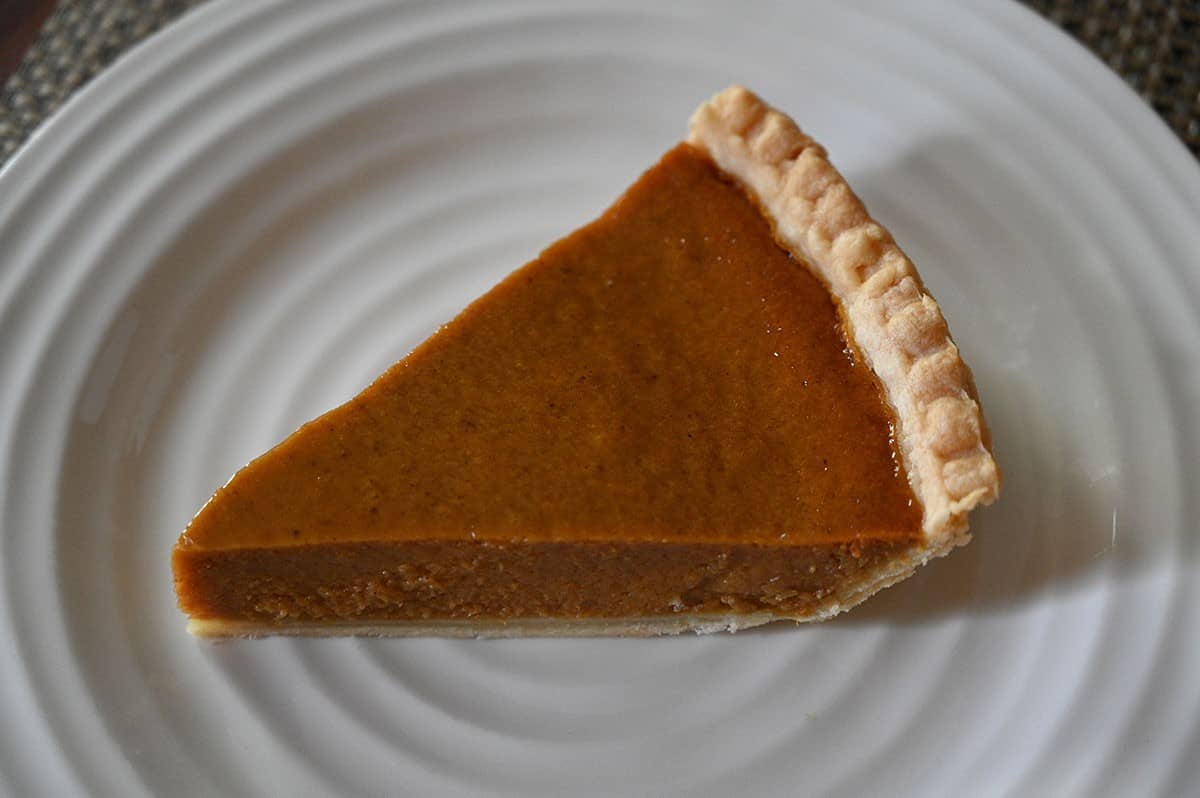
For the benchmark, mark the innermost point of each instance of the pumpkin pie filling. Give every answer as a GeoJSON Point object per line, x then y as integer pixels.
{"type": "Point", "coordinates": [661, 413]}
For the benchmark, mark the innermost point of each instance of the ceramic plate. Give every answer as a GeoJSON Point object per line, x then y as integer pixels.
{"type": "Point", "coordinates": [247, 218]}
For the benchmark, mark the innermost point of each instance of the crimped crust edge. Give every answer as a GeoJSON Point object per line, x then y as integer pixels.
{"type": "Point", "coordinates": [898, 328]}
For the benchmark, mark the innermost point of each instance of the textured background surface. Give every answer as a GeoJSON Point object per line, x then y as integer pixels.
{"type": "Point", "coordinates": [1153, 44]}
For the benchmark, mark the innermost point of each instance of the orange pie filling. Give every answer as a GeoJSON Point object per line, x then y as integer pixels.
{"type": "Point", "coordinates": [660, 414]}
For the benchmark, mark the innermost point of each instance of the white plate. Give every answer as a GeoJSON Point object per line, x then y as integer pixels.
{"type": "Point", "coordinates": [247, 218]}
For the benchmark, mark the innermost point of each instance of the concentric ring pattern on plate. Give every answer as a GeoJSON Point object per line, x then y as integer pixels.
{"type": "Point", "coordinates": [254, 213]}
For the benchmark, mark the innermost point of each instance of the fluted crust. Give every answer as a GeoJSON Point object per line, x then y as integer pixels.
{"type": "Point", "coordinates": [896, 325]}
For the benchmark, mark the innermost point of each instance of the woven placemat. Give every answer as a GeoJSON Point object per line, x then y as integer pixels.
{"type": "Point", "coordinates": [1153, 44]}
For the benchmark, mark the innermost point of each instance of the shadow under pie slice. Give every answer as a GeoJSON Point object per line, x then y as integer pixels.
{"type": "Point", "coordinates": [729, 400]}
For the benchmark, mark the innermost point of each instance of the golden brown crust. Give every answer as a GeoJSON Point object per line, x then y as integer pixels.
{"type": "Point", "coordinates": [896, 325]}
{"type": "Point", "coordinates": [516, 627]}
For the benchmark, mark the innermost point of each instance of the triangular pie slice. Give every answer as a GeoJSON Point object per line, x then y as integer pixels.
{"type": "Point", "coordinates": [729, 400]}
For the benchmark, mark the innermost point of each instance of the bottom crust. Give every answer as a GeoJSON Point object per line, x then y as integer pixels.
{"type": "Point", "coordinates": [489, 628]}
{"type": "Point", "coordinates": [850, 595]}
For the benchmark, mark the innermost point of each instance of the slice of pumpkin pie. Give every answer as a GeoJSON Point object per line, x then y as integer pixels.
{"type": "Point", "coordinates": [729, 400]}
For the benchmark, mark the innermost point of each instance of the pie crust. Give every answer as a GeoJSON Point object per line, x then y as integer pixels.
{"type": "Point", "coordinates": [896, 325]}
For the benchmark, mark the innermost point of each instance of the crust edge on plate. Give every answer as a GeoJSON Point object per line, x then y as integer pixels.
{"type": "Point", "coordinates": [898, 328]}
